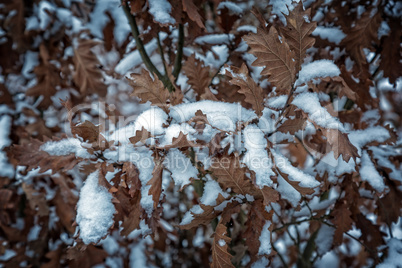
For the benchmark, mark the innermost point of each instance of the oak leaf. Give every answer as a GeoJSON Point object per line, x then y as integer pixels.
{"type": "Point", "coordinates": [342, 221]}
{"type": "Point", "coordinates": [148, 89]}
{"type": "Point", "coordinates": [220, 255]}
{"type": "Point", "coordinates": [362, 35]}
{"type": "Point", "coordinates": [198, 75]}
{"type": "Point", "coordinates": [297, 33]}
{"type": "Point", "coordinates": [231, 174]}
{"type": "Point", "coordinates": [292, 125]}
{"type": "Point", "coordinates": [192, 11]}
{"type": "Point", "coordinates": [156, 182]}
{"type": "Point", "coordinates": [391, 52]}
{"type": "Point", "coordinates": [275, 56]}
{"type": "Point", "coordinates": [248, 87]}
{"type": "Point", "coordinates": [340, 144]}
{"type": "Point", "coordinates": [87, 75]}
{"type": "Point", "coordinates": [140, 136]}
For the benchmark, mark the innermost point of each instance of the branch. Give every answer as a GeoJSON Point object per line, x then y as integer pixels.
{"type": "Point", "coordinates": [179, 55]}
{"type": "Point", "coordinates": [140, 46]}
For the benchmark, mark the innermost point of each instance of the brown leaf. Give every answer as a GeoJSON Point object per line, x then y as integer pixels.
{"type": "Point", "coordinates": [206, 216]}
{"type": "Point", "coordinates": [295, 184]}
{"type": "Point", "coordinates": [248, 87]}
{"type": "Point", "coordinates": [362, 35]}
{"type": "Point", "coordinates": [87, 75]}
{"type": "Point", "coordinates": [87, 130]}
{"type": "Point", "coordinates": [131, 178]}
{"type": "Point", "coordinates": [231, 174]}
{"type": "Point", "coordinates": [31, 156]}
{"type": "Point", "coordinates": [389, 207]}
{"type": "Point", "coordinates": [293, 125]}
{"type": "Point", "coordinates": [220, 255]}
{"type": "Point", "coordinates": [48, 78]}
{"type": "Point", "coordinates": [297, 33]}
{"type": "Point", "coordinates": [342, 221]}
{"type": "Point", "coordinates": [198, 75]}
{"type": "Point", "coordinates": [148, 89]}
{"type": "Point", "coordinates": [156, 182]}
{"type": "Point", "coordinates": [180, 142]}
{"type": "Point", "coordinates": [140, 136]}
{"type": "Point", "coordinates": [257, 217]}
{"type": "Point", "coordinates": [192, 11]}
{"type": "Point", "coordinates": [391, 52]}
{"type": "Point", "coordinates": [340, 144]}
{"type": "Point", "coordinates": [275, 56]}
{"type": "Point", "coordinates": [344, 89]}
{"type": "Point", "coordinates": [37, 200]}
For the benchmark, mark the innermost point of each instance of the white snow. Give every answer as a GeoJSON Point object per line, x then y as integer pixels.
{"type": "Point", "coordinates": [214, 39]}
{"type": "Point", "coordinates": [310, 104]}
{"type": "Point", "coordinates": [212, 189]}
{"type": "Point", "coordinates": [369, 173]}
{"type": "Point", "coordinates": [280, 8]}
{"type": "Point", "coordinates": [256, 157]}
{"type": "Point", "coordinates": [324, 239]}
{"type": "Point", "coordinates": [294, 173]}
{"type": "Point", "coordinates": [6, 169]}
{"type": "Point", "coordinates": [181, 168]}
{"type": "Point", "coordinates": [66, 147]}
{"type": "Point", "coordinates": [161, 9]}
{"type": "Point", "coordinates": [316, 69]}
{"type": "Point", "coordinates": [134, 59]}
{"type": "Point", "coordinates": [288, 192]}
{"type": "Point", "coordinates": [332, 34]}
{"type": "Point", "coordinates": [359, 138]}
{"type": "Point", "coordinates": [232, 7]}
{"type": "Point", "coordinates": [393, 260]}
{"type": "Point", "coordinates": [221, 242]}
{"type": "Point", "coordinates": [265, 240]}
{"type": "Point", "coordinates": [94, 210]}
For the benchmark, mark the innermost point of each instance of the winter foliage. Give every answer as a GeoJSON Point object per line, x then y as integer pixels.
{"type": "Point", "coordinates": [166, 133]}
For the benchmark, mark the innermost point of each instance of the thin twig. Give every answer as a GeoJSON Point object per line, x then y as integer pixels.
{"type": "Point", "coordinates": [161, 53]}
{"type": "Point", "coordinates": [179, 54]}
{"type": "Point", "coordinates": [280, 256]}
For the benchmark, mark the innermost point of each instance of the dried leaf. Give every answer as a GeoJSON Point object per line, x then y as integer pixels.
{"type": "Point", "coordinates": [340, 144]}
{"type": "Point", "coordinates": [148, 89]}
{"type": "Point", "coordinates": [391, 52]}
{"type": "Point", "coordinates": [140, 136]}
{"type": "Point", "coordinates": [87, 75]}
{"type": "Point", "coordinates": [342, 221]}
{"type": "Point", "coordinates": [293, 125]}
{"type": "Point", "coordinates": [220, 255]}
{"type": "Point", "coordinates": [297, 33]}
{"type": "Point", "coordinates": [37, 200]}
{"type": "Point", "coordinates": [192, 11]}
{"type": "Point", "coordinates": [87, 130]}
{"type": "Point", "coordinates": [198, 75]}
{"type": "Point", "coordinates": [248, 87]}
{"type": "Point", "coordinates": [276, 58]}
{"type": "Point", "coordinates": [231, 174]}
{"type": "Point", "coordinates": [156, 182]}
{"type": "Point", "coordinates": [362, 35]}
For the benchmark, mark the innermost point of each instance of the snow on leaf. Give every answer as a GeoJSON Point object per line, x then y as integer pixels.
{"type": "Point", "coordinates": [369, 173]}
{"type": "Point", "coordinates": [275, 56]}
{"type": "Point", "coordinates": [94, 210]}
{"type": "Point", "coordinates": [160, 10]}
{"type": "Point", "coordinates": [317, 69]}
{"type": "Point", "coordinates": [181, 168]}
{"type": "Point", "coordinates": [297, 33]}
{"type": "Point", "coordinates": [309, 103]}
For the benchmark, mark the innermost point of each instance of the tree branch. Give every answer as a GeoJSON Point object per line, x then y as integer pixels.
{"type": "Point", "coordinates": [140, 46]}
{"type": "Point", "coordinates": [179, 55]}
